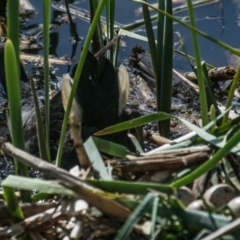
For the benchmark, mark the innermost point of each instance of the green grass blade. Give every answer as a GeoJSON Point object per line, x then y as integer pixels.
{"type": "Point", "coordinates": [127, 187]}
{"type": "Point", "coordinates": [165, 60]}
{"type": "Point", "coordinates": [76, 79]}
{"type": "Point", "coordinates": [44, 186]}
{"type": "Point", "coordinates": [12, 203]}
{"type": "Point", "coordinates": [96, 159]}
{"type": "Point", "coordinates": [136, 216]}
{"type": "Point", "coordinates": [111, 148]}
{"type": "Point", "coordinates": [136, 143]}
{"type": "Point", "coordinates": [137, 122]}
{"type": "Point", "coordinates": [13, 90]}
{"type": "Point", "coordinates": [39, 125]}
{"type": "Point", "coordinates": [154, 217]}
{"type": "Point", "coordinates": [46, 39]}
{"type": "Point", "coordinates": [13, 29]}
{"type": "Point", "coordinates": [151, 39]}
{"type": "Point", "coordinates": [201, 84]}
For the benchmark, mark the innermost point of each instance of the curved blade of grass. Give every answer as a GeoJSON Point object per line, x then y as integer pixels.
{"type": "Point", "coordinates": [13, 29]}
{"type": "Point", "coordinates": [96, 159]}
{"type": "Point", "coordinates": [136, 143]}
{"type": "Point", "coordinates": [226, 126]}
{"type": "Point", "coordinates": [40, 129]}
{"type": "Point", "coordinates": [123, 32]}
{"type": "Point", "coordinates": [12, 69]}
{"type": "Point", "coordinates": [126, 187]}
{"type": "Point", "coordinates": [13, 89]}
{"type": "Point", "coordinates": [165, 60]}
{"type": "Point", "coordinates": [111, 148]}
{"type": "Point", "coordinates": [46, 37]}
{"type": "Point", "coordinates": [201, 83]}
{"type": "Point", "coordinates": [44, 186]}
{"type": "Point", "coordinates": [76, 79]}
{"type": "Point", "coordinates": [12, 203]}
{"type": "Point", "coordinates": [154, 217]}
{"type": "Point", "coordinates": [151, 39]}
{"type": "Point", "coordinates": [211, 163]}
{"type": "Point", "coordinates": [159, 116]}
{"type": "Point", "coordinates": [220, 43]}
{"type": "Point", "coordinates": [136, 216]}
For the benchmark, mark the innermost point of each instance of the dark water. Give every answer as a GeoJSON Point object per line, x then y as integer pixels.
{"type": "Point", "coordinates": [225, 28]}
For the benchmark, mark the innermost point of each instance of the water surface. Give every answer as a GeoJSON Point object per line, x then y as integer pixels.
{"type": "Point", "coordinates": [219, 19]}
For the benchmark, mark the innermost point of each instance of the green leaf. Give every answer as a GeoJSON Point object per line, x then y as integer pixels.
{"type": "Point", "coordinates": [46, 40]}
{"type": "Point", "coordinates": [159, 116]}
{"type": "Point", "coordinates": [131, 187]}
{"type": "Point", "coordinates": [40, 185]}
{"type": "Point", "coordinates": [96, 159]}
{"type": "Point", "coordinates": [12, 203]}
{"type": "Point", "coordinates": [111, 148]}
{"type": "Point", "coordinates": [136, 216]}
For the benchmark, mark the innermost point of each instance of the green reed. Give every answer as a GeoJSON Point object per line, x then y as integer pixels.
{"type": "Point", "coordinates": [46, 26]}
{"type": "Point", "coordinates": [12, 69]}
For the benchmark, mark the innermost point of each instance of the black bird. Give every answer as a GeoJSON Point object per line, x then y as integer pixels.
{"type": "Point", "coordinates": [100, 100]}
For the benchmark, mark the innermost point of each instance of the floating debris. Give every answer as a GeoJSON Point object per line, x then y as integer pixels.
{"type": "Point", "coordinates": [39, 59]}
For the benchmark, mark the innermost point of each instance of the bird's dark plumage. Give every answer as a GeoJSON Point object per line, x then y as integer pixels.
{"type": "Point", "coordinates": [97, 94]}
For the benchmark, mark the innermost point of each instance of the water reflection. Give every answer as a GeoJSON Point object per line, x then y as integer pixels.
{"type": "Point", "coordinates": [220, 19]}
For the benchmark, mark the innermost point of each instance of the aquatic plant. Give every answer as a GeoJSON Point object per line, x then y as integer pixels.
{"type": "Point", "coordinates": [169, 218]}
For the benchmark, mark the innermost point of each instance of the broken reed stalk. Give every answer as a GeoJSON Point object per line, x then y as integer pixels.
{"type": "Point", "coordinates": [161, 163]}
{"type": "Point", "coordinates": [92, 195]}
